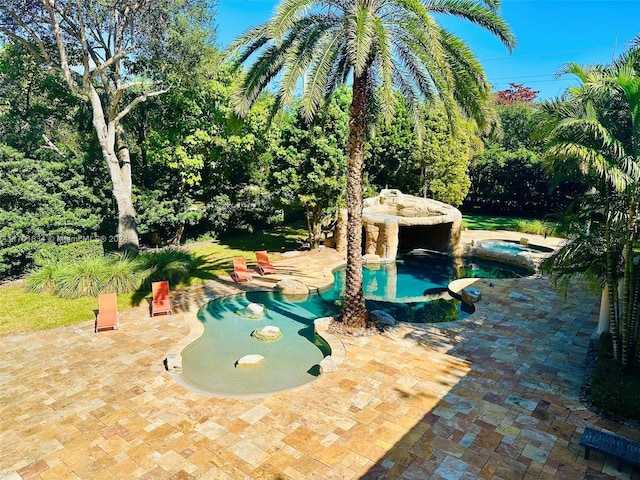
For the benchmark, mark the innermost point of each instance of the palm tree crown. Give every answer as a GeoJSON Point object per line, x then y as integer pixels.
{"type": "Point", "coordinates": [397, 42]}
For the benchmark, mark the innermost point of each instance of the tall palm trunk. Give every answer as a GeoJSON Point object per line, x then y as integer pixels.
{"type": "Point", "coordinates": [635, 311]}
{"type": "Point", "coordinates": [627, 339]}
{"type": "Point", "coordinates": [354, 313]}
{"type": "Point", "coordinates": [612, 281]}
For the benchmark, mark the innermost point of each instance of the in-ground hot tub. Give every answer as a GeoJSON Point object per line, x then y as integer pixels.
{"type": "Point", "coordinates": [517, 252]}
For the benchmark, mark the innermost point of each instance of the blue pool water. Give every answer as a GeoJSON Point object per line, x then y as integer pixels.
{"type": "Point", "coordinates": [208, 364]}
{"type": "Point", "coordinates": [409, 279]}
{"type": "Point", "coordinates": [514, 247]}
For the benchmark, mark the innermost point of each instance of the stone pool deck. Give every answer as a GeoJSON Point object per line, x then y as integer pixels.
{"type": "Point", "coordinates": [495, 396]}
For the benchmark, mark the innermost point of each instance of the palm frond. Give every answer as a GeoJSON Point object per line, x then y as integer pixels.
{"type": "Point", "coordinates": [261, 73]}
{"type": "Point", "coordinates": [478, 14]}
{"type": "Point", "coordinates": [360, 38]}
{"type": "Point", "coordinates": [287, 14]}
{"type": "Point", "coordinates": [318, 76]}
{"type": "Point", "coordinates": [385, 69]}
{"type": "Point", "coordinates": [471, 88]}
{"type": "Point", "coordinates": [340, 71]}
{"type": "Point", "coordinates": [246, 44]}
{"type": "Point", "coordinates": [299, 57]}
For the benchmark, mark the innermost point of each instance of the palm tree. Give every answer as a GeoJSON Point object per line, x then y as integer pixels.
{"type": "Point", "coordinates": [378, 46]}
{"type": "Point", "coordinates": [596, 129]}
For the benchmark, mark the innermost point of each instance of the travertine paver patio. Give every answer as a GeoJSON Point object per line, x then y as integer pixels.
{"type": "Point", "coordinates": [494, 396]}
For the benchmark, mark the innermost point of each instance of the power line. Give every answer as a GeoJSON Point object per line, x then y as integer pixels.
{"type": "Point", "coordinates": [533, 81]}
{"type": "Point", "coordinates": [525, 76]}
{"type": "Point", "coordinates": [547, 54]}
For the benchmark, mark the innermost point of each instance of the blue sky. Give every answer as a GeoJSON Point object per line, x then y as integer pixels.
{"type": "Point", "coordinates": [549, 34]}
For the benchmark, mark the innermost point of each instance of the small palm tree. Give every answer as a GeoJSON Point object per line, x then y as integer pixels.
{"type": "Point", "coordinates": [378, 46]}
{"type": "Point", "coordinates": [596, 131]}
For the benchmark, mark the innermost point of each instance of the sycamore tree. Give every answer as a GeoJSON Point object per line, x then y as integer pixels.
{"type": "Point", "coordinates": [113, 55]}
{"type": "Point", "coordinates": [375, 46]}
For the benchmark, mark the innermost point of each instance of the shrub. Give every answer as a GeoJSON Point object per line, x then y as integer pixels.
{"type": "Point", "coordinates": [535, 227]}
{"type": "Point", "coordinates": [87, 276]}
{"type": "Point", "coordinates": [91, 275]}
{"type": "Point", "coordinates": [170, 264]}
{"type": "Point", "coordinates": [42, 201]}
{"type": "Point", "coordinates": [50, 253]}
{"type": "Point", "coordinates": [614, 388]}
{"type": "Point", "coordinates": [437, 311]}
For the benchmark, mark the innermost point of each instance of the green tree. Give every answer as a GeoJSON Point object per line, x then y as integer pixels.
{"type": "Point", "coordinates": [444, 157]}
{"type": "Point", "coordinates": [595, 133]}
{"type": "Point", "coordinates": [308, 164]}
{"type": "Point", "coordinates": [380, 45]}
{"type": "Point", "coordinates": [37, 110]}
{"type": "Point", "coordinates": [42, 201]}
{"type": "Point", "coordinates": [113, 56]}
{"type": "Point", "coordinates": [392, 159]}
{"type": "Point", "coordinates": [507, 176]}
{"type": "Point", "coordinates": [200, 166]}
{"type": "Point", "coordinates": [434, 167]}
{"type": "Point", "coordinates": [510, 182]}
{"type": "Point", "coordinates": [517, 123]}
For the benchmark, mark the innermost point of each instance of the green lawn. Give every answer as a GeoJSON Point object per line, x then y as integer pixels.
{"type": "Point", "coordinates": [488, 222]}
{"type": "Point", "coordinates": [21, 311]}
{"type": "Point", "coordinates": [524, 225]}
{"type": "Point", "coordinates": [216, 256]}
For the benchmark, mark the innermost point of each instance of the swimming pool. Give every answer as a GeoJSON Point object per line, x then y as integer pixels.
{"type": "Point", "coordinates": [510, 251]}
{"type": "Point", "coordinates": [209, 363]}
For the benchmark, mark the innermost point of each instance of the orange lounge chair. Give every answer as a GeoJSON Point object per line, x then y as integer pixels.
{"type": "Point", "coordinates": [240, 271]}
{"type": "Point", "coordinates": [264, 266]}
{"type": "Point", "coordinates": [161, 302]}
{"type": "Point", "coordinates": [108, 316]}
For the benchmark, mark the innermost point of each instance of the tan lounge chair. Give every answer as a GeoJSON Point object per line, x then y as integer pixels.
{"type": "Point", "coordinates": [161, 302]}
{"type": "Point", "coordinates": [264, 266]}
{"type": "Point", "coordinates": [108, 316]}
{"type": "Point", "coordinates": [240, 271]}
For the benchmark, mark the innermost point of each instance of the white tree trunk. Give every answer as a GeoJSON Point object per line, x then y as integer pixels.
{"type": "Point", "coordinates": [119, 165]}
{"type": "Point", "coordinates": [604, 322]}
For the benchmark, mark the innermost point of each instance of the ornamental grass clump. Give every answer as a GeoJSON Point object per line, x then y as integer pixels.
{"type": "Point", "coordinates": [87, 276]}
{"type": "Point", "coordinates": [83, 278]}
{"type": "Point", "coordinates": [125, 273]}
{"type": "Point", "coordinates": [170, 264]}
{"type": "Point", "coordinates": [535, 227]}
{"type": "Point", "coordinates": [90, 275]}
